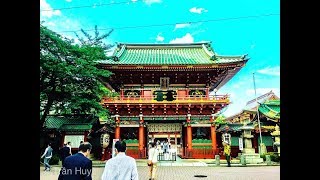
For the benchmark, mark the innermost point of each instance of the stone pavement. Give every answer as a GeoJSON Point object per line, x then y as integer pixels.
{"type": "Point", "coordinates": [188, 162]}
{"type": "Point", "coordinates": [188, 172]}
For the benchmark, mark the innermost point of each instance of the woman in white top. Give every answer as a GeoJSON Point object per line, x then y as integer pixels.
{"type": "Point", "coordinates": [153, 156]}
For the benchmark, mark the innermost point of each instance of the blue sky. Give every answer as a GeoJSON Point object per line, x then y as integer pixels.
{"type": "Point", "coordinates": [226, 27]}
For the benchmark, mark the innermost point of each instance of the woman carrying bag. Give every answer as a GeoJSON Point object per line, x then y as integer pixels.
{"type": "Point", "coordinates": [152, 160]}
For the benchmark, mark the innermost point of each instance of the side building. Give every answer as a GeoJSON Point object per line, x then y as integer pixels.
{"type": "Point", "coordinates": [269, 116]}
{"type": "Point", "coordinates": [165, 95]}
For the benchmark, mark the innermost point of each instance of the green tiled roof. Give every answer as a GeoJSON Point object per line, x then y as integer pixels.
{"type": "Point", "coordinates": [232, 127]}
{"type": "Point", "coordinates": [169, 54]}
{"type": "Point", "coordinates": [167, 118]}
{"type": "Point", "coordinates": [200, 118]}
{"type": "Point", "coordinates": [129, 118]}
{"type": "Point", "coordinates": [271, 109]}
{"type": "Point", "coordinates": [75, 127]}
{"type": "Point", "coordinates": [70, 123]}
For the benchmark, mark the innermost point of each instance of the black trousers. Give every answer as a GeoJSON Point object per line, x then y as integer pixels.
{"type": "Point", "coordinates": [228, 160]}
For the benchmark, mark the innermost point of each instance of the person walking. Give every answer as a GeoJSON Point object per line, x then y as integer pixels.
{"type": "Point", "coordinates": [64, 152]}
{"type": "Point", "coordinates": [77, 166]}
{"type": "Point", "coordinates": [47, 156]}
{"type": "Point", "coordinates": [120, 167]}
{"type": "Point", "coordinates": [69, 146]}
{"type": "Point", "coordinates": [227, 152]}
{"type": "Point", "coordinates": [152, 160]}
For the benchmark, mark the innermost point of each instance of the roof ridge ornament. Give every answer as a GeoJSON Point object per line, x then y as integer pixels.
{"type": "Point", "coordinates": [244, 56]}
{"type": "Point", "coordinates": [209, 51]}
{"type": "Point", "coordinates": [116, 56]}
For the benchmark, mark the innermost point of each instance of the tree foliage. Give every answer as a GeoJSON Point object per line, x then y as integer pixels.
{"type": "Point", "coordinates": [69, 75]}
{"type": "Point", "coordinates": [221, 119]}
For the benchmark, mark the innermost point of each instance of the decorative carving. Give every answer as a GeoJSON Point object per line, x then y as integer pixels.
{"type": "Point", "coordinates": [129, 122]}
{"type": "Point", "coordinates": [197, 92]}
{"type": "Point", "coordinates": [161, 127]}
{"type": "Point", "coordinates": [165, 95]}
{"type": "Point", "coordinates": [132, 93]}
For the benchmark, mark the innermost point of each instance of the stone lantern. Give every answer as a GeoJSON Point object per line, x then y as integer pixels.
{"type": "Point", "coordinates": [276, 135]}
{"type": "Point", "coordinates": [248, 152]}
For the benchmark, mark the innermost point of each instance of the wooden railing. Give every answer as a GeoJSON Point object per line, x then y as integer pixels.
{"type": "Point", "coordinates": [177, 99]}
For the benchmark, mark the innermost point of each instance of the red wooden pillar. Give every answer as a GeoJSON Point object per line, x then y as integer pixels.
{"type": "Point", "coordinates": [141, 133]}
{"type": "Point", "coordinates": [213, 136]}
{"type": "Point", "coordinates": [117, 130]}
{"type": "Point", "coordinates": [187, 92]}
{"type": "Point", "coordinates": [63, 134]}
{"type": "Point", "coordinates": [85, 138]}
{"type": "Point", "coordinates": [189, 137]}
{"type": "Point", "coordinates": [207, 93]}
{"type": "Point", "coordinates": [142, 93]}
{"type": "Point", "coordinates": [189, 133]}
{"type": "Point", "coordinates": [255, 142]}
{"type": "Point", "coordinates": [121, 94]}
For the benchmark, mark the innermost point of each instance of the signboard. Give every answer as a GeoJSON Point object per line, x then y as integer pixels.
{"type": "Point", "coordinates": [113, 147]}
{"type": "Point", "coordinates": [240, 144]}
{"type": "Point", "coordinates": [74, 139]}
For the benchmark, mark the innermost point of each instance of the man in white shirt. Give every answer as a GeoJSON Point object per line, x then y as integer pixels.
{"type": "Point", "coordinates": [69, 146]}
{"type": "Point", "coordinates": [120, 167]}
{"type": "Point", "coordinates": [153, 156]}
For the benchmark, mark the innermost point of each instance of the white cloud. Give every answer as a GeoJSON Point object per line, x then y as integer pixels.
{"type": "Point", "coordinates": [134, 0]}
{"type": "Point", "coordinates": [238, 102]}
{"type": "Point", "coordinates": [198, 32]}
{"type": "Point", "coordinates": [178, 26]}
{"type": "Point", "coordinates": [275, 71]}
{"type": "Point", "coordinates": [198, 10]}
{"type": "Point", "coordinates": [69, 24]}
{"type": "Point", "coordinates": [261, 91]}
{"type": "Point", "coordinates": [185, 39]}
{"type": "Point", "coordinates": [46, 10]}
{"type": "Point", "coordinates": [241, 90]}
{"type": "Point", "coordinates": [68, 0]}
{"type": "Point", "coordinates": [51, 24]}
{"type": "Point", "coordinates": [159, 37]}
{"type": "Point", "coordinates": [76, 40]}
{"type": "Point", "coordinates": [236, 85]}
{"type": "Point", "coordinates": [63, 24]}
{"type": "Point", "coordinates": [149, 2]}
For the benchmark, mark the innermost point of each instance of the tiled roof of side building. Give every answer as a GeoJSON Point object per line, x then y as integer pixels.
{"type": "Point", "coordinates": [75, 127]}
{"type": "Point", "coordinates": [230, 127]}
{"type": "Point", "coordinates": [169, 54]}
{"type": "Point", "coordinates": [69, 122]}
{"type": "Point", "coordinates": [252, 104]}
{"type": "Point", "coordinates": [271, 109]}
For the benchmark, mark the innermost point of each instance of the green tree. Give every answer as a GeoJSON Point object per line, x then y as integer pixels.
{"type": "Point", "coordinates": [221, 119]}
{"type": "Point", "coordinates": [70, 80]}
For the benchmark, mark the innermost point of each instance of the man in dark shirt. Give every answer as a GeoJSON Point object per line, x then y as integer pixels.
{"type": "Point", "coordinates": [64, 152]}
{"type": "Point", "coordinates": [77, 166]}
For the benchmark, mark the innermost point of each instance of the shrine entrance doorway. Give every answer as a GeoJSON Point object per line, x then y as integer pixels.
{"type": "Point", "coordinates": [165, 132]}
